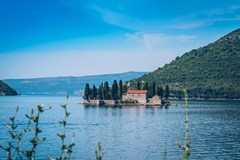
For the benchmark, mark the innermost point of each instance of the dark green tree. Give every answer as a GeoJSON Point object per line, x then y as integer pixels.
{"type": "Point", "coordinates": [100, 92]}
{"type": "Point", "coordinates": [153, 89]}
{"type": "Point", "coordinates": [87, 92]}
{"type": "Point", "coordinates": [166, 92]}
{"type": "Point", "coordinates": [124, 88]}
{"type": "Point", "coordinates": [138, 86]}
{"type": "Point", "coordinates": [94, 92]}
{"type": "Point", "coordinates": [120, 92]}
{"type": "Point", "coordinates": [145, 87]}
{"type": "Point", "coordinates": [114, 90]}
{"type": "Point", "coordinates": [160, 91]}
{"type": "Point", "coordinates": [106, 87]}
{"type": "Point", "coordinates": [107, 95]}
{"type": "Point", "coordinates": [104, 93]}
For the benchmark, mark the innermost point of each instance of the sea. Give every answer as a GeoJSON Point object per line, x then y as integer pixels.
{"type": "Point", "coordinates": [126, 132]}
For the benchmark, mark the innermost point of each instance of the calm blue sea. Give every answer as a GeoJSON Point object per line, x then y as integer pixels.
{"type": "Point", "coordinates": [130, 133]}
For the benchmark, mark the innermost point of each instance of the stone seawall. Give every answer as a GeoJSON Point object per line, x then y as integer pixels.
{"type": "Point", "coordinates": [153, 102]}
{"type": "Point", "coordinates": [99, 102]}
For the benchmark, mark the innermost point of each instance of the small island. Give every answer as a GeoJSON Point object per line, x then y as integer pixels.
{"type": "Point", "coordinates": [140, 94]}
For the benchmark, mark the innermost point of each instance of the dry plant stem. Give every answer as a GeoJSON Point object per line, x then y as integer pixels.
{"type": "Point", "coordinates": [66, 150]}
{"type": "Point", "coordinates": [98, 153]}
{"type": "Point", "coordinates": [30, 154]}
{"type": "Point", "coordinates": [64, 129]}
{"type": "Point", "coordinates": [12, 127]}
{"type": "Point", "coordinates": [187, 144]}
{"type": "Point", "coordinates": [165, 151]}
{"type": "Point", "coordinates": [22, 134]}
{"type": "Point", "coordinates": [36, 134]}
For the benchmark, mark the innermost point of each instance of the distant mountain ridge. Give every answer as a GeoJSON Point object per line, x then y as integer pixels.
{"type": "Point", "coordinates": [211, 72]}
{"type": "Point", "coordinates": [62, 85]}
{"type": "Point", "coordinates": [6, 89]}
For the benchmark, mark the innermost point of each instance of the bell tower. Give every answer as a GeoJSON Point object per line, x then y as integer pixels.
{"type": "Point", "coordinates": [128, 86]}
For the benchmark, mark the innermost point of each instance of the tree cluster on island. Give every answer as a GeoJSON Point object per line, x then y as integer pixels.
{"type": "Point", "coordinates": [117, 89]}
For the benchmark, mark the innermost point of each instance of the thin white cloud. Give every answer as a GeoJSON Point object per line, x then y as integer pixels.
{"type": "Point", "coordinates": [202, 23]}
{"type": "Point", "coordinates": [115, 18]}
{"type": "Point", "coordinates": [185, 38]}
{"type": "Point", "coordinates": [234, 7]}
{"type": "Point", "coordinates": [152, 41]}
{"type": "Point", "coordinates": [192, 24]}
{"type": "Point", "coordinates": [123, 20]}
{"type": "Point", "coordinates": [208, 18]}
{"type": "Point", "coordinates": [149, 40]}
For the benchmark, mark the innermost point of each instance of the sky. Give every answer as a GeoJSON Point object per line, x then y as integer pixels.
{"type": "Point", "coordinates": [48, 38]}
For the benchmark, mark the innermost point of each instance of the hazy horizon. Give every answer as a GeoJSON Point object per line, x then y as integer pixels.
{"type": "Point", "coordinates": [77, 38]}
{"type": "Point", "coordinates": [101, 74]}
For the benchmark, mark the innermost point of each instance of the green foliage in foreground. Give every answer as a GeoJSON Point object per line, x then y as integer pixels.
{"type": "Point", "coordinates": [208, 72]}
{"type": "Point", "coordinates": [6, 89]}
{"type": "Point", "coordinates": [14, 149]}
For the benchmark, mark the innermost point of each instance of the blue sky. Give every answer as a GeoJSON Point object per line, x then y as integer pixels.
{"type": "Point", "coordinates": [42, 38]}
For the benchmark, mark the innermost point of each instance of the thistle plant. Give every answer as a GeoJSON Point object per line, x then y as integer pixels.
{"type": "Point", "coordinates": [36, 140]}
{"type": "Point", "coordinates": [187, 144]}
{"type": "Point", "coordinates": [165, 151]}
{"type": "Point", "coordinates": [14, 149]}
{"type": "Point", "coordinates": [12, 131]}
{"type": "Point", "coordinates": [98, 153]}
{"type": "Point", "coordinates": [66, 150]}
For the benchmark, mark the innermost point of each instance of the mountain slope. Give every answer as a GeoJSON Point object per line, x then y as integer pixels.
{"type": "Point", "coordinates": [212, 71]}
{"type": "Point", "coordinates": [6, 89]}
{"type": "Point", "coordinates": [60, 85]}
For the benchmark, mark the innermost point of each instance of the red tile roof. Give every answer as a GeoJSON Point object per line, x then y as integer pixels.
{"type": "Point", "coordinates": [137, 92]}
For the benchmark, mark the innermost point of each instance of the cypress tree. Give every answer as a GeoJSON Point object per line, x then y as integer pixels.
{"type": "Point", "coordinates": [166, 92]}
{"type": "Point", "coordinates": [106, 87]}
{"type": "Point", "coordinates": [107, 91]}
{"type": "Point", "coordinates": [153, 88]}
{"type": "Point", "coordinates": [104, 93]}
{"type": "Point", "coordinates": [145, 87]}
{"type": "Point", "coordinates": [160, 91]}
{"type": "Point", "coordinates": [91, 93]}
{"type": "Point", "coordinates": [138, 86]}
{"type": "Point", "coordinates": [114, 90]}
{"type": "Point", "coordinates": [87, 92]}
{"type": "Point", "coordinates": [100, 92]}
{"type": "Point", "coordinates": [124, 88]}
{"type": "Point", "coordinates": [120, 89]}
{"type": "Point", "coordinates": [94, 92]}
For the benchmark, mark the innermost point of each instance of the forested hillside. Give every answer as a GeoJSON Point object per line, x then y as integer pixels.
{"type": "Point", "coordinates": [6, 89]}
{"type": "Point", "coordinates": [212, 71]}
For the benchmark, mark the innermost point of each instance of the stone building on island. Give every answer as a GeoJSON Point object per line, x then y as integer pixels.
{"type": "Point", "coordinates": [135, 96]}
{"type": "Point", "coordinates": [155, 100]}
{"type": "Point", "coordinates": [140, 97]}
